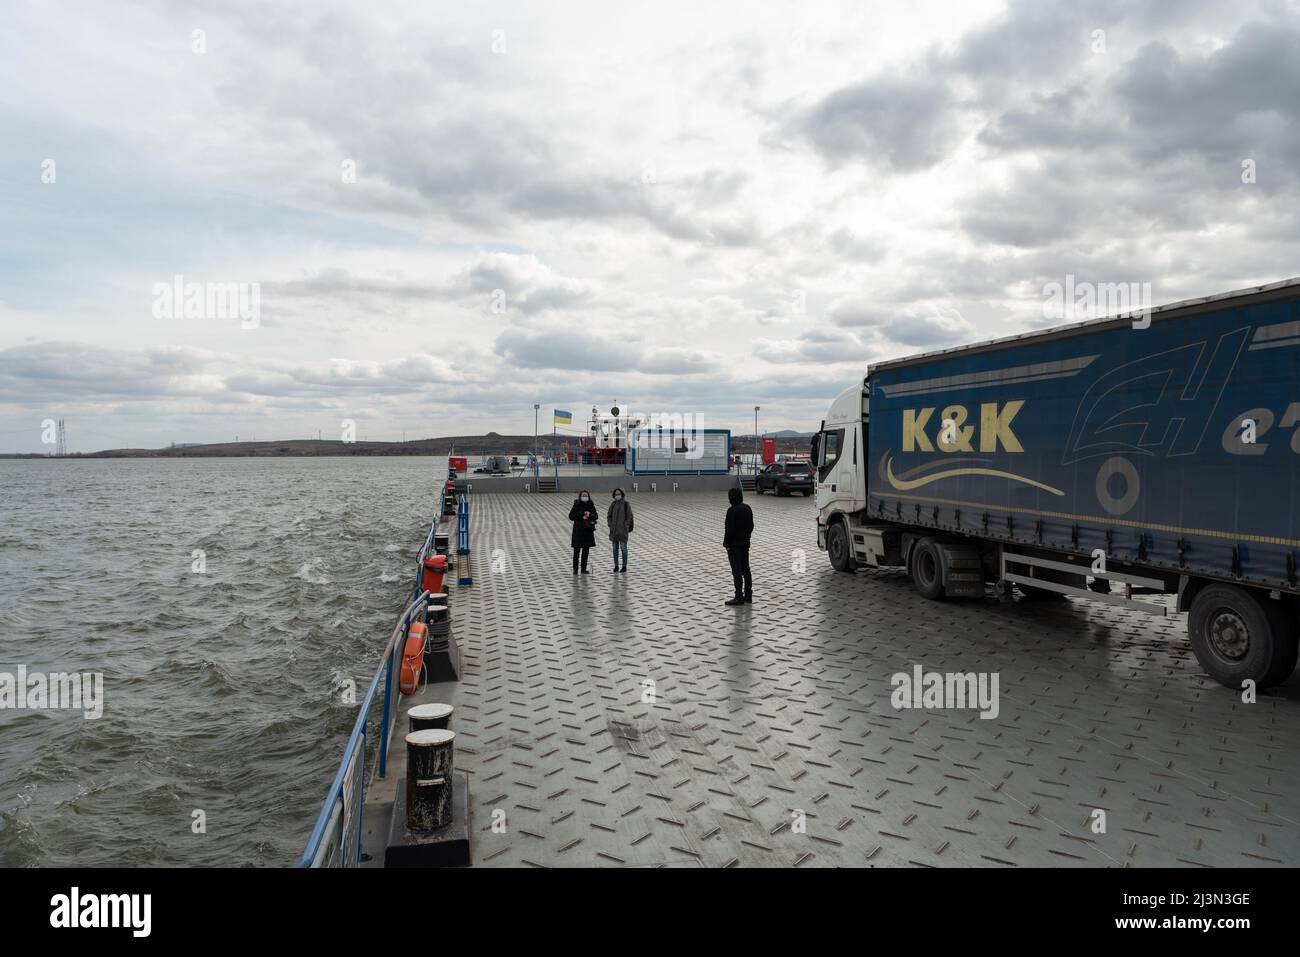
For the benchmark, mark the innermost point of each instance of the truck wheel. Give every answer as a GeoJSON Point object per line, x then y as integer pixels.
{"type": "Point", "coordinates": [837, 546]}
{"type": "Point", "coordinates": [1286, 638]}
{"type": "Point", "coordinates": [1232, 636]}
{"type": "Point", "coordinates": [926, 568]}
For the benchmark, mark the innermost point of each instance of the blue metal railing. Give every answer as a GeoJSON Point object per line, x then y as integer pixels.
{"type": "Point", "coordinates": [462, 540]}
{"type": "Point", "coordinates": [329, 844]}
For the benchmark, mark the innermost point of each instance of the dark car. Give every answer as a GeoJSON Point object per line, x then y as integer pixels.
{"type": "Point", "coordinates": [786, 477]}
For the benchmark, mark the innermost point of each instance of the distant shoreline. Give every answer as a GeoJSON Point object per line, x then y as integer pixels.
{"type": "Point", "coordinates": [472, 445]}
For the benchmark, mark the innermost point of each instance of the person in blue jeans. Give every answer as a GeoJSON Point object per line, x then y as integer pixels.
{"type": "Point", "coordinates": [619, 519]}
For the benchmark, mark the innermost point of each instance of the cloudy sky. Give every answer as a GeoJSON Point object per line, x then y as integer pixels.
{"type": "Point", "coordinates": [452, 211]}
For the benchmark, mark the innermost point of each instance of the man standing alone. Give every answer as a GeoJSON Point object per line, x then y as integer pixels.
{"type": "Point", "coordinates": [735, 539]}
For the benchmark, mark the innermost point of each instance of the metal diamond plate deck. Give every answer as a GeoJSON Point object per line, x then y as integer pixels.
{"type": "Point", "coordinates": [784, 707]}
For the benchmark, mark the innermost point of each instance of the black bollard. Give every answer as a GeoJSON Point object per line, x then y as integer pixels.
{"type": "Point", "coordinates": [426, 716]}
{"type": "Point", "coordinates": [429, 764]}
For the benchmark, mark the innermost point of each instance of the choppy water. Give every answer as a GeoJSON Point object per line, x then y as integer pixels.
{"type": "Point", "coordinates": [221, 689]}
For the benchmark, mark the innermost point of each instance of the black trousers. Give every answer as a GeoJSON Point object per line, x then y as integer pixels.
{"type": "Point", "coordinates": [740, 574]}
{"type": "Point", "coordinates": [580, 550]}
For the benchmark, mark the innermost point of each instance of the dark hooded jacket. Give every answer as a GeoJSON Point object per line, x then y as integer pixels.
{"type": "Point", "coordinates": [740, 522]}
{"type": "Point", "coordinates": [584, 530]}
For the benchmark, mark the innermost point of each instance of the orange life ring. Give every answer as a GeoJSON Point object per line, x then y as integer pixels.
{"type": "Point", "coordinates": [413, 657]}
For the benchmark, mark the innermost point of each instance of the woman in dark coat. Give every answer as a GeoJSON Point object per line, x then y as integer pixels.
{"type": "Point", "coordinates": [583, 516]}
{"type": "Point", "coordinates": [619, 520]}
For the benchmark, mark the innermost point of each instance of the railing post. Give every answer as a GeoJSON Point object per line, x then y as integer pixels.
{"type": "Point", "coordinates": [383, 733]}
{"type": "Point", "coordinates": [462, 541]}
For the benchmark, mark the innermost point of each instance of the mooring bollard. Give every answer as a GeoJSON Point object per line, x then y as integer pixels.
{"type": "Point", "coordinates": [429, 763]}
{"type": "Point", "coordinates": [438, 616]}
{"type": "Point", "coordinates": [426, 716]}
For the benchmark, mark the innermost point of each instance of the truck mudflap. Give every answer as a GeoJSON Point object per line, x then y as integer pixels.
{"type": "Point", "coordinates": [963, 572]}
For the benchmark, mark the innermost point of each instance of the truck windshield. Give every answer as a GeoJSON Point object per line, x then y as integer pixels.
{"type": "Point", "coordinates": [830, 451]}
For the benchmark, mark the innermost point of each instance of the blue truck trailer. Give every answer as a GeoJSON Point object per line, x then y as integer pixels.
{"type": "Point", "coordinates": [1143, 454]}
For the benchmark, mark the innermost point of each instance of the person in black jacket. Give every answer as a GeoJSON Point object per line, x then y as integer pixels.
{"type": "Point", "coordinates": [583, 516]}
{"type": "Point", "coordinates": [735, 539]}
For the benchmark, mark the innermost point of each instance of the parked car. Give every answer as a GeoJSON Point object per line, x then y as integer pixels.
{"type": "Point", "coordinates": [786, 477]}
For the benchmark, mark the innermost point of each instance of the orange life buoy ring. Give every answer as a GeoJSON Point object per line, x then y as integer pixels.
{"type": "Point", "coordinates": [413, 657]}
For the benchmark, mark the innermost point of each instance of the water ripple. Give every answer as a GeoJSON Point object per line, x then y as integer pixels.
{"type": "Point", "coordinates": [226, 602]}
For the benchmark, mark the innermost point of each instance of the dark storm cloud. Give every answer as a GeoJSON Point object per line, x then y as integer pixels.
{"type": "Point", "coordinates": [1121, 134]}
{"type": "Point", "coordinates": [903, 124]}
{"type": "Point", "coordinates": [1032, 39]}
{"type": "Point", "coordinates": [1154, 151]}
{"type": "Point", "coordinates": [1241, 100]}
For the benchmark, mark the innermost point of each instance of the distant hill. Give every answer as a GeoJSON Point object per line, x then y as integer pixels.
{"type": "Point", "coordinates": [787, 441]}
{"type": "Point", "coordinates": [471, 444]}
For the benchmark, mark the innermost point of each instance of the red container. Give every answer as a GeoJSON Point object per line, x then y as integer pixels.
{"type": "Point", "coordinates": [435, 567]}
{"type": "Point", "coordinates": [458, 464]}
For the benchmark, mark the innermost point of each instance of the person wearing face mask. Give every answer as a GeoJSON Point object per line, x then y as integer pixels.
{"type": "Point", "coordinates": [583, 516]}
{"type": "Point", "coordinates": [619, 520]}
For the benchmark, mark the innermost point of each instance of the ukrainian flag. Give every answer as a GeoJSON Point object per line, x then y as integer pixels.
{"type": "Point", "coordinates": [562, 417]}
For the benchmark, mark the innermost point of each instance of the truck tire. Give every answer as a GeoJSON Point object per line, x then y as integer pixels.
{"type": "Point", "coordinates": [1233, 636]}
{"type": "Point", "coordinates": [1286, 637]}
{"type": "Point", "coordinates": [926, 567]}
{"type": "Point", "coordinates": [837, 547]}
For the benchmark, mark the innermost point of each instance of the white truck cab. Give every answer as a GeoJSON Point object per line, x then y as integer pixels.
{"type": "Point", "coordinates": [839, 455]}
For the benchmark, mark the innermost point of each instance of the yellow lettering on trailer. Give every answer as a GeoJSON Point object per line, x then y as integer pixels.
{"type": "Point", "coordinates": [995, 426]}
{"type": "Point", "coordinates": [914, 436]}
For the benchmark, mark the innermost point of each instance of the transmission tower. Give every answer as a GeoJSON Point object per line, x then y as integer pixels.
{"type": "Point", "coordinates": [62, 446]}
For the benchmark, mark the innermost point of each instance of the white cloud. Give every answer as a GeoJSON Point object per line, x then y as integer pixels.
{"type": "Point", "coordinates": [683, 207]}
